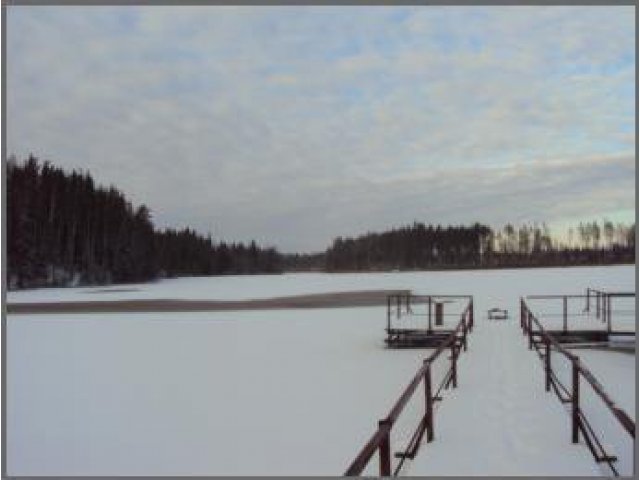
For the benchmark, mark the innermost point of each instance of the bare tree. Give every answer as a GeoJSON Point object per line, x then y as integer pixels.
{"type": "Point", "coordinates": [608, 231]}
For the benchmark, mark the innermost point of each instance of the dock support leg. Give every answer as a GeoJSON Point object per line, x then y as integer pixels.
{"type": "Point", "coordinates": [547, 363]}
{"type": "Point", "coordinates": [575, 403]}
{"type": "Point", "coordinates": [385, 450]}
{"type": "Point", "coordinates": [454, 370]}
{"type": "Point", "coordinates": [429, 403]}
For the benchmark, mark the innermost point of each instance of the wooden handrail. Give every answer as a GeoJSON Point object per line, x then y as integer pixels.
{"type": "Point", "coordinates": [550, 297]}
{"type": "Point", "coordinates": [613, 294]}
{"type": "Point", "coordinates": [380, 439]}
{"type": "Point", "coordinates": [623, 418]}
{"type": "Point", "coordinates": [361, 461]}
{"type": "Point", "coordinates": [406, 395]}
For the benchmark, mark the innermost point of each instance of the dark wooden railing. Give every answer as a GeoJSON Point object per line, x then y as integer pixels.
{"type": "Point", "coordinates": [602, 300]}
{"type": "Point", "coordinates": [543, 342]}
{"type": "Point", "coordinates": [380, 441]}
{"type": "Point", "coordinates": [597, 301]}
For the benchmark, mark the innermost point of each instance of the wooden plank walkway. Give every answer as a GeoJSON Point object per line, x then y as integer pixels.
{"type": "Point", "coordinates": [500, 421]}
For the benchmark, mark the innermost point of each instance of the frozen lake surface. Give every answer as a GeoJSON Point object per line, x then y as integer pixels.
{"type": "Point", "coordinates": [505, 285]}
{"type": "Point", "coordinates": [276, 392]}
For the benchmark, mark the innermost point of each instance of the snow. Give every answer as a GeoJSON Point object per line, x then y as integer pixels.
{"type": "Point", "coordinates": [506, 284]}
{"type": "Point", "coordinates": [616, 372]}
{"type": "Point", "coordinates": [195, 394]}
{"type": "Point", "coordinates": [500, 421]}
{"type": "Point", "coordinates": [288, 391]}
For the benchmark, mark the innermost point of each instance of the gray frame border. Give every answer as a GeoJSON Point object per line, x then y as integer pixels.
{"type": "Point", "coordinates": [61, 3]}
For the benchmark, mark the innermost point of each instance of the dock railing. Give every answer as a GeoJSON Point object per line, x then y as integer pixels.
{"type": "Point", "coordinates": [602, 303]}
{"type": "Point", "coordinates": [546, 346]}
{"type": "Point", "coordinates": [405, 309]}
{"type": "Point", "coordinates": [380, 441]}
{"type": "Point", "coordinates": [595, 304]}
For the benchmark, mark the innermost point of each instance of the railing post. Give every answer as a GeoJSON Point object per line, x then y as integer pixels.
{"type": "Point", "coordinates": [454, 370]}
{"type": "Point", "coordinates": [598, 304]}
{"type": "Point", "coordinates": [608, 313]}
{"type": "Point", "coordinates": [471, 314]}
{"type": "Point", "coordinates": [429, 402]}
{"type": "Point", "coordinates": [547, 363]}
{"type": "Point", "coordinates": [464, 334]}
{"type": "Point", "coordinates": [588, 302]}
{"type": "Point", "coordinates": [388, 313]}
{"type": "Point", "coordinates": [564, 314]}
{"type": "Point", "coordinates": [575, 401]}
{"type": "Point", "coordinates": [407, 305]}
{"type": "Point", "coordinates": [384, 450]}
{"type": "Point", "coordinates": [429, 314]}
{"type": "Point", "coordinates": [521, 314]}
{"type": "Point", "coordinates": [530, 331]}
{"type": "Point", "coordinates": [398, 306]}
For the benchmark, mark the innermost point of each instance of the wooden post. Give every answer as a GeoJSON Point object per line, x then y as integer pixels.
{"type": "Point", "coordinates": [398, 306]}
{"type": "Point", "coordinates": [439, 310]}
{"type": "Point", "coordinates": [521, 313]}
{"type": "Point", "coordinates": [464, 334]}
{"type": "Point", "coordinates": [564, 314]}
{"type": "Point", "coordinates": [608, 313]}
{"type": "Point", "coordinates": [454, 370]}
{"type": "Point", "coordinates": [547, 363]}
{"type": "Point", "coordinates": [530, 331]}
{"type": "Point", "coordinates": [471, 314]}
{"type": "Point", "coordinates": [429, 402]}
{"type": "Point", "coordinates": [575, 402]}
{"type": "Point", "coordinates": [588, 298]}
{"type": "Point", "coordinates": [597, 304]}
{"type": "Point", "coordinates": [429, 330]}
{"type": "Point", "coordinates": [384, 450]}
{"type": "Point", "coordinates": [388, 313]}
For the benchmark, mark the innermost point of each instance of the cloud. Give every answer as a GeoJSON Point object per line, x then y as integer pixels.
{"type": "Point", "coordinates": [293, 125]}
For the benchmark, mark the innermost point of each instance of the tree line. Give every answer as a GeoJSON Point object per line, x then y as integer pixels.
{"type": "Point", "coordinates": [421, 246]}
{"type": "Point", "coordinates": [63, 229]}
{"type": "Point", "coordinates": [588, 243]}
{"type": "Point", "coordinates": [411, 247]}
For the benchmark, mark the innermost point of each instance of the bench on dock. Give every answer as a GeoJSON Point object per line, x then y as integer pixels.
{"type": "Point", "coordinates": [497, 314]}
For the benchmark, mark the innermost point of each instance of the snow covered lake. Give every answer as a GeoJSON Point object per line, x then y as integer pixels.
{"type": "Point", "coordinates": [276, 392]}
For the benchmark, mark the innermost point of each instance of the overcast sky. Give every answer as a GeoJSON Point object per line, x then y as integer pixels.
{"type": "Point", "coordinates": [293, 125]}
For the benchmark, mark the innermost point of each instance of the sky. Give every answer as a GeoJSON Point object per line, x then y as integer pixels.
{"type": "Point", "coordinates": [294, 125]}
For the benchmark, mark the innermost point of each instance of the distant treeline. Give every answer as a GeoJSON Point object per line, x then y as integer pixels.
{"type": "Point", "coordinates": [590, 243]}
{"type": "Point", "coordinates": [413, 247]}
{"type": "Point", "coordinates": [421, 246]}
{"type": "Point", "coordinates": [62, 229]}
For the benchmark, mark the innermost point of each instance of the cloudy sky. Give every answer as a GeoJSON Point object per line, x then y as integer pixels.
{"type": "Point", "coordinates": [293, 125]}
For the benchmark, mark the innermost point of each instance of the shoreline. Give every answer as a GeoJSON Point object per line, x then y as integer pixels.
{"type": "Point", "coordinates": [360, 298]}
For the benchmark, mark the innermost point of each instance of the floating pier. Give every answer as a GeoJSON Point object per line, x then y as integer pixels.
{"type": "Point", "coordinates": [420, 321]}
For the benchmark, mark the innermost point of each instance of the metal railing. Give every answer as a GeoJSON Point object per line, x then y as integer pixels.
{"type": "Point", "coordinates": [598, 302]}
{"type": "Point", "coordinates": [401, 305]}
{"type": "Point", "coordinates": [603, 303]}
{"type": "Point", "coordinates": [544, 343]}
{"type": "Point", "coordinates": [380, 441]}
